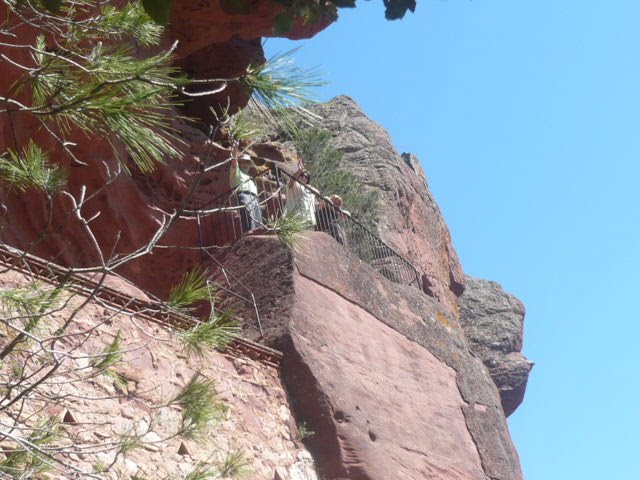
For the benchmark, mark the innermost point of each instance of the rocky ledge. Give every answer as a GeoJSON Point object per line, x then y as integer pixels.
{"type": "Point", "coordinates": [380, 373]}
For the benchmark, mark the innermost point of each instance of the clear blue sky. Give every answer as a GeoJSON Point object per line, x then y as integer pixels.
{"type": "Point", "coordinates": [525, 115]}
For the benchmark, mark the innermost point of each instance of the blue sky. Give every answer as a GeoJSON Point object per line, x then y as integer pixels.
{"type": "Point", "coordinates": [525, 115]}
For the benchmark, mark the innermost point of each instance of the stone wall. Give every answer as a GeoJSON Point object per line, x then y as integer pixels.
{"type": "Point", "coordinates": [130, 400]}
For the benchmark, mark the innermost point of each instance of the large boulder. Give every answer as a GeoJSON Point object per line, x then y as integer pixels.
{"type": "Point", "coordinates": [380, 373]}
{"type": "Point", "coordinates": [493, 323]}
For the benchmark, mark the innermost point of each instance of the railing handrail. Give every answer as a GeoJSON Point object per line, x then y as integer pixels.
{"type": "Point", "coordinates": [152, 310]}
{"type": "Point", "coordinates": [374, 244]}
{"type": "Point", "coordinates": [353, 220]}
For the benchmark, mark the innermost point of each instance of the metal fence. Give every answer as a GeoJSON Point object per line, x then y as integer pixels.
{"type": "Point", "coordinates": [220, 223]}
{"type": "Point", "coordinates": [109, 297]}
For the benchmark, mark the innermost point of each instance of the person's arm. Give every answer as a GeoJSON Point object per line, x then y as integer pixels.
{"type": "Point", "coordinates": [234, 171]}
{"type": "Point", "coordinates": [294, 178]}
{"type": "Point", "coordinates": [234, 156]}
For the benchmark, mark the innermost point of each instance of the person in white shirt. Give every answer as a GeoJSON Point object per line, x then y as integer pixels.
{"type": "Point", "coordinates": [247, 192]}
{"type": "Point", "coordinates": [300, 197]}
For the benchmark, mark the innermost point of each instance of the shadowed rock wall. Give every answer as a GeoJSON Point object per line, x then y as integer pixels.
{"type": "Point", "coordinates": [212, 43]}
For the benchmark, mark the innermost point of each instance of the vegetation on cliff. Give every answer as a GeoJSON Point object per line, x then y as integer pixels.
{"type": "Point", "coordinates": [78, 70]}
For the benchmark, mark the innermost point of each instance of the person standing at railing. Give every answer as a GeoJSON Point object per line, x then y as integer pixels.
{"type": "Point", "coordinates": [301, 197]}
{"type": "Point", "coordinates": [247, 192]}
{"type": "Point", "coordinates": [329, 215]}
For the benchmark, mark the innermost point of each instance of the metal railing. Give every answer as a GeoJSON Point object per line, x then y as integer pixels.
{"type": "Point", "coordinates": [220, 220]}
{"type": "Point", "coordinates": [149, 309]}
{"type": "Point", "coordinates": [220, 223]}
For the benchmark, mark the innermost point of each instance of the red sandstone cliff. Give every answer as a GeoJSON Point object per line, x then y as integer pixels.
{"type": "Point", "coordinates": [383, 374]}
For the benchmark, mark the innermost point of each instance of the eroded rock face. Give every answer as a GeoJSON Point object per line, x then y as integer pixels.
{"type": "Point", "coordinates": [380, 372]}
{"type": "Point", "coordinates": [493, 323]}
{"type": "Point", "coordinates": [410, 220]}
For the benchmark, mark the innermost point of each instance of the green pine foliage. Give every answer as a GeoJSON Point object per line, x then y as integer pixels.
{"type": "Point", "coordinates": [110, 94]}
{"type": "Point", "coordinates": [86, 77]}
{"type": "Point", "coordinates": [311, 12]}
{"type": "Point", "coordinates": [111, 356]}
{"type": "Point", "coordinates": [216, 333]}
{"type": "Point", "coordinates": [28, 300]}
{"type": "Point", "coordinates": [281, 92]}
{"type": "Point", "coordinates": [191, 289]}
{"type": "Point", "coordinates": [27, 460]}
{"type": "Point", "coordinates": [325, 165]}
{"type": "Point", "coordinates": [200, 404]}
{"type": "Point", "coordinates": [202, 471]}
{"type": "Point", "coordinates": [246, 126]}
{"type": "Point", "coordinates": [28, 305]}
{"type": "Point", "coordinates": [290, 229]}
{"type": "Point", "coordinates": [234, 464]}
{"type": "Point", "coordinates": [128, 442]}
{"type": "Point", "coordinates": [30, 168]}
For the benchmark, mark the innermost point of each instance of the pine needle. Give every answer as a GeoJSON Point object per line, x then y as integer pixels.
{"type": "Point", "coordinates": [234, 464]}
{"type": "Point", "coordinates": [191, 289]}
{"type": "Point", "coordinates": [281, 91]}
{"type": "Point", "coordinates": [31, 169]}
{"type": "Point", "coordinates": [290, 229]}
{"type": "Point", "coordinates": [216, 333]}
{"type": "Point", "coordinates": [200, 405]}
{"type": "Point", "coordinates": [111, 355]}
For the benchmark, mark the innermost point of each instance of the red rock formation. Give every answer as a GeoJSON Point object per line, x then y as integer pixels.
{"type": "Point", "coordinates": [380, 372]}
{"type": "Point", "coordinates": [259, 422]}
{"type": "Point", "coordinates": [131, 208]}
{"type": "Point", "coordinates": [214, 42]}
{"type": "Point", "coordinates": [410, 219]}
{"type": "Point", "coordinates": [197, 25]}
